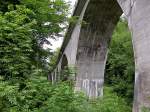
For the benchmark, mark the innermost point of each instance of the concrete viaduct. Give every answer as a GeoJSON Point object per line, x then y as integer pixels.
{"type": "Point", "coordinates": [85, 46]}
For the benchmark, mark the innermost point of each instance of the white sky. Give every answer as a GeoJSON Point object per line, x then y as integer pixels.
{"type": "Point", "coordinates": [57, 43]}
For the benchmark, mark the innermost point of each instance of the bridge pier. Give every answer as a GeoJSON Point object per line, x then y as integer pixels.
{"type": "Point", "coordinates": [138, 15]}
{"type": "Point", "coordinates": [139, 22]}
{"type": "Point", "coordinates": [93, 42]}
{"type": "Point", "coordinates": [91, 59]}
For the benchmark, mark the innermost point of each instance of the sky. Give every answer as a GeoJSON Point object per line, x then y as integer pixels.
{"type": "Point", "coordinates": [58, 42]}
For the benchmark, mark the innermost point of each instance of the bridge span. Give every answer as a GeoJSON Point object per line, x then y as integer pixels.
{"type": "Point", "coordinates": [85, 46]}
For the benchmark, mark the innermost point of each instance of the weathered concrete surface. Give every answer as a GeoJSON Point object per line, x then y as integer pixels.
{"type": "Point", "coordinates": [86, 46]}
{"type": "Point", "coordinates": [72, 46]}
{"type": "Point", "coordinates": [140, 26]}
{"type": "Point", "coordinates": [138, 14]}
{"type": "Point", "coordinates": [93, 43]}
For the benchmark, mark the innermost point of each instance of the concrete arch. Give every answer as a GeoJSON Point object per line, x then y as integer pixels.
{"type": "Point", "coordinates": [86, 46]}
{"type": "Point", "coordinates": [101, 17]}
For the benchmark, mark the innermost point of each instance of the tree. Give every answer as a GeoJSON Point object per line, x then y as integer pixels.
{"type": "Point", "coordinates": [5, 3]}
{"type": "Point", "coordinates": [16, 43]}
{"type": "Point", "coordinates": [24, 29]}
{"type": "Point", "coordinates": [120, 64]}
{"type": "Point", "coordinates": [51, 17]}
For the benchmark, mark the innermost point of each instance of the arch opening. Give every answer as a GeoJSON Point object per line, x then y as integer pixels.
{"type": "Point", "coordinates": [64, 69]}
{"type": "Point", "coordinates": [120, 65]}
{"type": "Point", "coordinates": [64, 62]}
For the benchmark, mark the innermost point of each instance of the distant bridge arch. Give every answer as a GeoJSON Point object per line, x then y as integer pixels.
{"type": "Point", "coordinates": [64, 62]}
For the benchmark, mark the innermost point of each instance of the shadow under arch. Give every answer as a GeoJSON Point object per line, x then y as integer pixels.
{"type": "Point", "coordinates": [64, 69]}
{"type": "Point", "coordinates": [64, 62]}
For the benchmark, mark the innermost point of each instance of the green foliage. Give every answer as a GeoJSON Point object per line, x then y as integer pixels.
{"type": "Point", "coordinates": [51, 17]}
{"type": "Point", "coordinates": [144, 109]}
{"type": "Point", "coordinates": [49, 14]}
{"type": "Point", "coordinates": [5, 3]}
{"type": "Point", "coordinates": [68, 73]}
{"type": "Point", "coordinates": [53, 59]}
{"type": "Point", "coordinates": [120, 64]}
{"type": "Point", "coordinates": [24, 29]}
{"type": "Point", "coordinates": [111, 103]}
{"type": "Point", "coordinates": [40, 96]}
{"type": "Point", "coordinates": [16, 42]}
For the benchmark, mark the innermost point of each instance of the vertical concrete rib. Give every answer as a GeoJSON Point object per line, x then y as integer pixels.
{"type": "Point", "coordinates": [139, 23]}
{"type": "Point", "coordinates": [71, 48]}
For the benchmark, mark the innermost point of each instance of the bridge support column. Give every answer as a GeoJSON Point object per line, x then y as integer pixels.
{"type": "Point", "coordinates": [138, 15]}
{"type": "Point", "coordinates": [91, 59]}
{"type": "Point", "coordinates": [139, 23]}
{"type": "Point", "coordinates": [92, 45]}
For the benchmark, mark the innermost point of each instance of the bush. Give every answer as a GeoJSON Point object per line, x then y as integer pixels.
{"type": "Point", "coordinates": [39, 95]}
{"type": "Point", "coordinates": [111, 103]}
